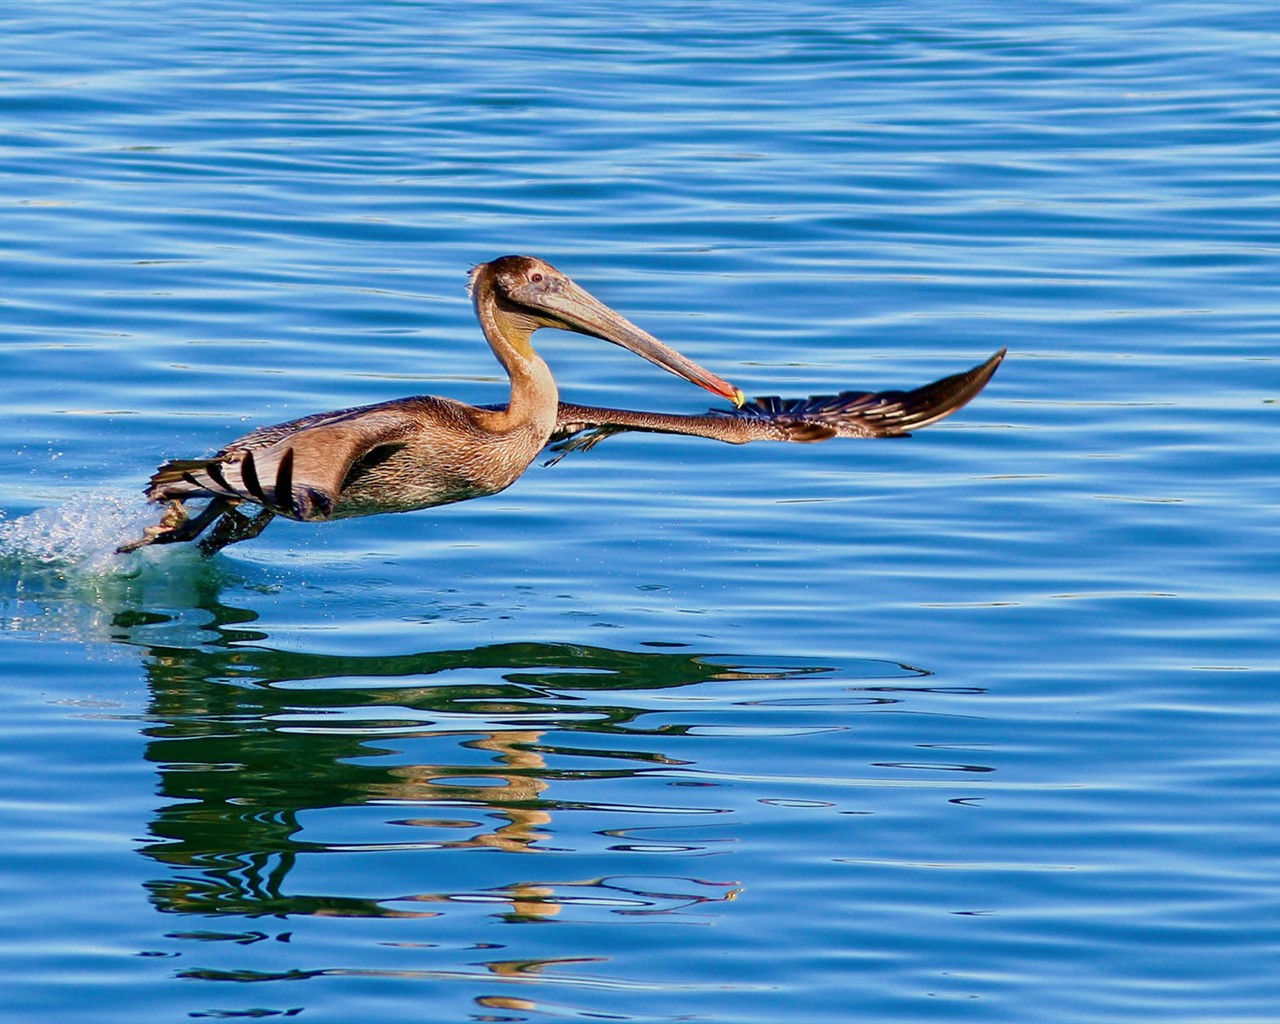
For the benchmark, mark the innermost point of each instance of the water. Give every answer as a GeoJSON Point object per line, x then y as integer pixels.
{"type": "Point", "coordinates": [978, 726]}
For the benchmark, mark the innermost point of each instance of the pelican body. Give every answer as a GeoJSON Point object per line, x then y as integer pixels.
{"type": "Point", "coordinates": [410, 453]}
{"type": "Point", "coordinates": [414, 453]}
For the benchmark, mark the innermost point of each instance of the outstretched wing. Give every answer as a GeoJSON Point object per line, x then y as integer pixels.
{"type": "Point", "coordinates": [295, 469]}
{"type": "Point", "coordinates": [818, 418]}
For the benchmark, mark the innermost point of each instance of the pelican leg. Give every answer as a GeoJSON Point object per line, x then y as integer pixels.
{"type": "Point", "coordinates": [235, 526]}
{"type": "Point", "coordinates": [177, 525]}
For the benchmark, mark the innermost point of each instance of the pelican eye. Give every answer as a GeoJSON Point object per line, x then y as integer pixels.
{"type": "Point", "coordinates": [535, 277]}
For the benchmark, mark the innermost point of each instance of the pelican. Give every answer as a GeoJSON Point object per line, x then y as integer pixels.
{"type": "Point", "coordinates": [413, 453]}
{"type": "Point", "coordinates": [410, 453]}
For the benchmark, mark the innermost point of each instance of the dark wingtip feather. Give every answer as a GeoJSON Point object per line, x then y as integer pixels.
{"type": "Point", "coordinates": [249, 474]}
{"type": "Point", "coordinates": [284, 485]}
{"type": "Point", "coordinates": [936, 401]}
{"type": "Point", "coordinates": [871, 413]}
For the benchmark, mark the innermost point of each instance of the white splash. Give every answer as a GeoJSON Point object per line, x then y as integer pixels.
{"type": "Point", "coordinates": [83, 532]}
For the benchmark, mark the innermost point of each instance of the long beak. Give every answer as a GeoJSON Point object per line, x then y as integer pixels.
{"type": "Point", "coordinates": [584, 313]}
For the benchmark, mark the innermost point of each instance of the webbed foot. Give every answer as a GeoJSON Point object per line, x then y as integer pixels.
{"type": "Point", "coordinates": [235, 526]}
{"type": "Point", "coordinates": [177, 525]}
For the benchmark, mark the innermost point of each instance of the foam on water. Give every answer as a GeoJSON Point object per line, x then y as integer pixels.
{"type": "Point", "coordinates": [61, 579]}
{"type": "Point", "coordinates": [81, 533]}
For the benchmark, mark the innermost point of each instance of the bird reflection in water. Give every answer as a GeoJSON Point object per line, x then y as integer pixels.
{"type": "Point", "coordinates": [252, 743]}
{"type": "Point", "coordinates": [513, 794]}
{"type": "Point", "coordinates": [415, 453]}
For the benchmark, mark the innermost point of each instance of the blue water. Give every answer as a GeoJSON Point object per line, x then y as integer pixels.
{"type": "Point", "coordinates": [976, 726]}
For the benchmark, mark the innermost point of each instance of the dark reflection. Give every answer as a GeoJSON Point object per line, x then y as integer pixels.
{"type": "Point", "coordinates": [248, 738]}
{"type": "Point", "coordinates": [268, 757]}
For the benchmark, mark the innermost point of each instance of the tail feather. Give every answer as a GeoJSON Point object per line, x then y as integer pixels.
{"type": "Point", "coordinates": [239, 477]}
{"type": "Point", "coordinates": [188, 478]}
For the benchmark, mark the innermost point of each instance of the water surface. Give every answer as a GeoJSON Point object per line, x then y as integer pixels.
{"type": "Point", "coordinates": [977, 726]}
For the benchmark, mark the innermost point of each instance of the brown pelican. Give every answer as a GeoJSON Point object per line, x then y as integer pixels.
{"type": "Point", "coordinates": [414, 453]}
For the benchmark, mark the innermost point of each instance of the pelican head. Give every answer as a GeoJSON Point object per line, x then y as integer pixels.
{"type": "Point", "coordinates": [536, 294]}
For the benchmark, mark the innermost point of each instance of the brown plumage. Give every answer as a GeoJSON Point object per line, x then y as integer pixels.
{"type": "Point", "coordinates": [409, 453]}
{"type": "Point", "coordinates": [818, 418]}
{"type": "Point", "coordinates": [413, 453]}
